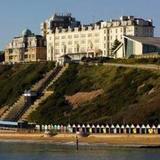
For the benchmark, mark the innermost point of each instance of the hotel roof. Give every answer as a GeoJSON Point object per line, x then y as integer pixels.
{"type": "Point", "coordinates": [155, 41]}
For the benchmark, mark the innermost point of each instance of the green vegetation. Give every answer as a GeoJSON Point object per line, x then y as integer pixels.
{"type": "Point", "coordinates": [127, 96]}
{"type": "Point", "coordinates": [14, 79]}
{"type": "Point", "coordinates": [123, 61]}
{"type": "Point", "coordinates": [1, 52]}
{"type": "Point", "coordinates": [136, 61]}
{"type": "Point", "coordinates": [115, 45]}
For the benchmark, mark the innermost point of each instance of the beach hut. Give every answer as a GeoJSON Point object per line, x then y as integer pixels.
{"type": "Point", "coordinates": [88, 129]}
{"type": "Point", "coordinates": [149, 129]}
{"type": "Point", "coordinates": [38, 128]}
{"type": "Point", "coordinates": [61, 128]}
{"type": "Point", "coordinates": [128, 129]}
{"type": "Point", "coordinates": [158, 128]}
{"type": "Point", "coordinates": [49, 127]}
{"type": "Point", "coordinates": [93, 129]}
{"type": "Point", "coordinates": [43, 127]}
{"type": "Point", "coordinates": [154, 128]}
{"type": "Point", "coordinates": [122, 129]}
{"type": "Point", "coordinates": [84, 128]}
{"type": "Point", "coordinates": [74, 128]}
{"type": "Point", "coordinates": [98, 129]}
{"type": "Point", "coordinates": [118, 130]}
{"type": "Point", "coordinates": [112, 129]}
{"type": "Point", "coordinates": [103, 129]}
{"type": "Point", "coordinates": [52, 127]}
{"type": "Point", "coordinates": [79, 128]}
{"type": "Point", "coordinates": [69, 128]}
{"type": "Point", "coordinates": [143, 129]}
{"type": "Point", "coordinates": [55, 127]}
{"type": "Point", "coordinates": [138, 129]}
{"type": "Point", "coordinates": [107, 129]}
{"type": "Point", "coordinates": [65, 129]}
{"type": "Point", "coordinates": [58, 128]}
{"type": "Point", "coordinates": [133, 129]}
{"type": "Point", "coordinates": [46, 127]}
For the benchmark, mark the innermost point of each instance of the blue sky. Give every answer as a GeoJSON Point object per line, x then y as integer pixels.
{"type": "Point", "coordinates": [16, 15]}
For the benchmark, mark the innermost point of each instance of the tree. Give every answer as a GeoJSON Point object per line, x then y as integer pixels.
{"type": "Point", "coordinates": [115, 45]}
{"type": "Point", "coordinates": [1, 52]}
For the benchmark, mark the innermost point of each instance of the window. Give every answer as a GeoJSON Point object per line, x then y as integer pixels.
{"type": "Point", "coordinates": [76, 36]}
{"type": "Point", "coordinates": [57, 37]}
{"type": "Point", "coordinates": [69, 36]}
{"type": "Point", "coordinates": [69, 42]}
{"type": "Point", "coordinates": [63, 37]}
{"type": "Point", "coordinates": [56, 44]}
{"type": "Point", "coordinates": [82, 49]}
{"type": "Point", "coordinates": [90, 35]}
{"type": "Point", "coordinates": [83, 35]}
{"type": "Point", "coordinates": [83, 42]}
{"type": "Point", "coordinates": [57, 50]}
{"type": "Point", "coordinates": [97, 41]}
{"type": "Point", "coordinates": [97, 34]}
{"type": "Point", "coordinates": [69, 50]}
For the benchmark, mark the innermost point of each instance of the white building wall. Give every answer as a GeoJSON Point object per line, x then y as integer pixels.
{"type": "Point", "coordinates": [91, 39]}
{"type": "Point", "coordinates": [75, 42]}
{"type": "Point", "coordinates": [138, 47]}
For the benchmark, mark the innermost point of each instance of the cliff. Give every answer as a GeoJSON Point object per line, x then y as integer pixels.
{"type": "Point", "coordinates": [128, 95]}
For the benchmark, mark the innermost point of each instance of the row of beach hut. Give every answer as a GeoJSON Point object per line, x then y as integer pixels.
{"type": "Point", "coordinates": [102, 129]}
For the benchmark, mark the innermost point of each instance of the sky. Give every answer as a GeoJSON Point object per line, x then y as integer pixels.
{"type": "Point", "coordinates": [17, 15]}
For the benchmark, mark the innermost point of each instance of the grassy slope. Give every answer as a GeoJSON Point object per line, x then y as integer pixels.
{"type": "Point", "coordinates": [14, 79]}
{"type": "Point", "coordinates": [125, 98]}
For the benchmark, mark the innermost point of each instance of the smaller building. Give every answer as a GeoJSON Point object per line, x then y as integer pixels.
{"type": "Point", "coordinates": [64, 59]}
{"type": "Point", "coordinates": [26, 48]}
{"type": "Point", "coordinates": [138, 47]}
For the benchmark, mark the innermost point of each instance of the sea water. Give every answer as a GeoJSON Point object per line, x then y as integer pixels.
{"type": "Point", "coordinates": [34, 151]}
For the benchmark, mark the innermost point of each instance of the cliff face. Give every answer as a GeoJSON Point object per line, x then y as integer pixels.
{"type": "Point", "coordinates": [129, 96]}
{"type": "Point", "coordinates": [15, 79]}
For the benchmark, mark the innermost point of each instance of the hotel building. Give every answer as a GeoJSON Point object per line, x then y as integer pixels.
{"type": "Point", "coordinates": [26, 48]}
{"type": "Point", "coordinates": [92, 40]}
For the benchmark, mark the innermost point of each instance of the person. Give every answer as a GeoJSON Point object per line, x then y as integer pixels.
{"type": "Point", "coordinates": [77, 143]}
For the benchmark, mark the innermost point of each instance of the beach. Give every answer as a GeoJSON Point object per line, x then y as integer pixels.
{"type": "Point", "coordinates": [123, 140]}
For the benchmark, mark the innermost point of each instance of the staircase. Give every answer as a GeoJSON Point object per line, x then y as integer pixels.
{"type": "Point", "coordinates": [41, 85]}
{"type": "Point", "coordinates": [44, 96]}
{"type": "Point", "coordinates": [19, 110]}
{"type": "Point", "coordinates": [12, 112]}
{"type": "Point", "coordinates": [57, 77]}
{"type": "Point", "coordinates": [36, 104]}
{"type": "Point", "coordinates": [3, 109]}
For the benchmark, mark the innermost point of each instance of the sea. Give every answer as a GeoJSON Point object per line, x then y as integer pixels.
{"type": "Point", "coordinates": [38, 151]}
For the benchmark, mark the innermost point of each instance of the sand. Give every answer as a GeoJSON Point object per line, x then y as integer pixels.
{"type": "Point", "coordinates": [96, 139]}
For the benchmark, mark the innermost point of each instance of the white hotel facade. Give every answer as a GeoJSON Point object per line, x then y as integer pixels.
{"type": "Point", "coordinates": [92, 40]}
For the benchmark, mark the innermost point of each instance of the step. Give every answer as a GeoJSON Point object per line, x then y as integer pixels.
{"type": "Point", "coordinates": [35, 106]}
